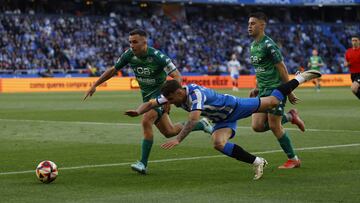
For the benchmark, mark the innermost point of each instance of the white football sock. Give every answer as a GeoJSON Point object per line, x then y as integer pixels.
{"type": "Point", "coordinates": [300, 79]}
{"type": "Point", "coordinates": [295, 158]}
{"type": "Point", "coordinates": [258, 161]}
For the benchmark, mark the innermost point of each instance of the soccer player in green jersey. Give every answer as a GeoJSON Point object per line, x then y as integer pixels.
{"type": "Point", "coordinates": [151, 67]}
{"type": "Point", "coordinates": [271, 72]}
{"type": "Point", "coordinates": [315, 63]}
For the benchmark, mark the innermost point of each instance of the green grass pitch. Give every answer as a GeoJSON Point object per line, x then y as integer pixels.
{"type": "Point", "coordinates": [93, 144]}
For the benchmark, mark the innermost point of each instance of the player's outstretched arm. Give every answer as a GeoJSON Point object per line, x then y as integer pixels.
{"type": "Point", "coordinates": [194, 117]}
{"type": "Point", "coordinates": [143, 108]}
{"type": "Point", "coordinates": [104, 77]}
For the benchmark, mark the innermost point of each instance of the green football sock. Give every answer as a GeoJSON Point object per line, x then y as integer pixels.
{"type": "Point", "coordinates": [199, 126]}
{"type": "Point", "coordinates": [285, 144]}
{"type": "Point", "coordinates": [284, 120]}
{"type": "Point", "coordinates": [145, 151]}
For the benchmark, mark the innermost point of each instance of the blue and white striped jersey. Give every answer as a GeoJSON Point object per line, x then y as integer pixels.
{"type": "Point", "coordinates": [216, 107]}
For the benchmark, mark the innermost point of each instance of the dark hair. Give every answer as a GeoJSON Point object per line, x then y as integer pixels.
{"type": "Point", "coordinates": [259, 15]}
{"type": "Point", "coordinates": [138, 32]}
{"type": "Point", "coordinates": [169, 87]}
{"type": "Point", "coordinates": [355, 36]}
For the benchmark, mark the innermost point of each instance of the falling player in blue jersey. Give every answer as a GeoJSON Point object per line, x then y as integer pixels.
{"type": "Point", "coordinates": [223, 110]}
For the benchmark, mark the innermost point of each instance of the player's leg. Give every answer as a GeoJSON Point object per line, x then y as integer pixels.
{"type": "Point", "coordinates": [147, 121]}
{"type": "Point", "coordinates": [279, 94]}
{"type": "Point", "coordinates": [355, 88]}
{"type": "Point", "coordinates": [220, 139]}
{"type": "Point", "coordinates": [284, 141]}
{"type": "Point", "coordinates": [294, 118]}
{"type": "Point", "coordinates": [259, 122]}
{"type": "Point", "coordinates": [317, 84]}
{"type": "Point", "coordinates": [234, 79]}
{"type": "Point", "coordinates": [237, 82]}
{"type": "Point", "coordinates": [275, 117]}
{"type": "Point", "coordinates": [286, 88]}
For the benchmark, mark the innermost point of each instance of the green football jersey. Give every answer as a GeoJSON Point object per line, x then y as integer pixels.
{"type": "Point", "coordinates": [314, 61]}
{"type": "Point", "coordinates": [150, 70]}
{"type": "Point", "coordinates": [263, 56]}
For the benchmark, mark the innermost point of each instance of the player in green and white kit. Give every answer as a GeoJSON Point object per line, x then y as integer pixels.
{"type": "Point", "coordinates": [315, 63]}
{"type": "Point", "coordinates": [151, 67]}
{"type": "Point", "coordinates": [271, 71]}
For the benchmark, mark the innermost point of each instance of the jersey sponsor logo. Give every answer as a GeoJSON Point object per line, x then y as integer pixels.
{"type": "Point", "coordinates": [142, 70]}
{"type": "Point", "coordinates": [148, 81]}
{"type": "Point", "coordinates": [259, 69]}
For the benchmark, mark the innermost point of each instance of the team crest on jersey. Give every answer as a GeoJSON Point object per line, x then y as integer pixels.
{"type": "Point", "coordinates": [149, 59]}
{"type": "Point", "coordinates": [134, 58]}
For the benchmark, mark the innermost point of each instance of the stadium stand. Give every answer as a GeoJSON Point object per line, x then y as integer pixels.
{"type": "Point", "coordinates": [41, 44]}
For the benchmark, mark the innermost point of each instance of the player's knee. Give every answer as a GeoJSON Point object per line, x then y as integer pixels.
{"type": "Point", "coordinates": [218, 145]}
{"type": "Point", "coordinates": [354, 89]}
{"type": "Point", "coordinates": [273, 102]}
{"type": "Point", "coordinates": [257, 128]}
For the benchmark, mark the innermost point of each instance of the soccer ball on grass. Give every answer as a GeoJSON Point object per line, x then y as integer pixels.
{"type": "Point", "coordinates": [46, 171]}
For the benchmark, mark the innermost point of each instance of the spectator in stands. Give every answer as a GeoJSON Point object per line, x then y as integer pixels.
{"type": "Point", "coordinates": [63, 43]}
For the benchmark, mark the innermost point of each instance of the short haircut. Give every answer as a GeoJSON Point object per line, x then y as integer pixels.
{"type": "Point", "coordinates": [138, 32]}
{"type": "Point", "coordinates": [170, 86]}
{"type": "Point", "coordinates": [259, 15]}
{"type": "Point", "coordinates": [355, 36]}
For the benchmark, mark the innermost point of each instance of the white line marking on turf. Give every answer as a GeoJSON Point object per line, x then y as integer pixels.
{"type": "Point", "coordinates": [182, 159]}
{"type": "Point", "coordinates": [135, 124]}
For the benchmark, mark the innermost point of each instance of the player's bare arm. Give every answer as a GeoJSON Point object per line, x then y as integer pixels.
{"type": "Point", "coordinates": [176, 75]}
{"type": "Point", "coordinates": [143, 108]}
{"type": "Point", "coordinates": [104, 77]}
{"type": "Point", "coordinates": [281, 67]}
{"type": "Point", "coordinates": [194, 117]}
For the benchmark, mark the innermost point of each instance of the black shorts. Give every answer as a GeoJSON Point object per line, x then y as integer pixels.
{"type": "Point", "coordinates": [355, 77]}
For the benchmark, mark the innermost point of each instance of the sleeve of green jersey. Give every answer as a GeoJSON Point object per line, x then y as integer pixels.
{"type": "Point", "coordinates": [274, 53]}
{"type": "Point", "coordinates": [123, 60]}
{"type": "Point", "coordinates": [166, 63]}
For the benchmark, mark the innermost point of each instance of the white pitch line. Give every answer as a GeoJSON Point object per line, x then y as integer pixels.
{"type": "Point", "coordinates": [182, 159]}
{"type": "Point", "coordinates": [135, 124]}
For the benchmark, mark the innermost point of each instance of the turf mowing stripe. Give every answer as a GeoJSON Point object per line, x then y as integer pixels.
{"type": "Point", "coordinates": [135, 124]}
{"type": "Point", "coordinates": [183, 159]}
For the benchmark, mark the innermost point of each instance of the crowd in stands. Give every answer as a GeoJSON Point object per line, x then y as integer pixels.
{"type": "Point", "coordinates": [65, 43]}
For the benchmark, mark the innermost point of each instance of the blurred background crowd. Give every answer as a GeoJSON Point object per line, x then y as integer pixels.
{"type": "Point", "coordinates": [73, 37]}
